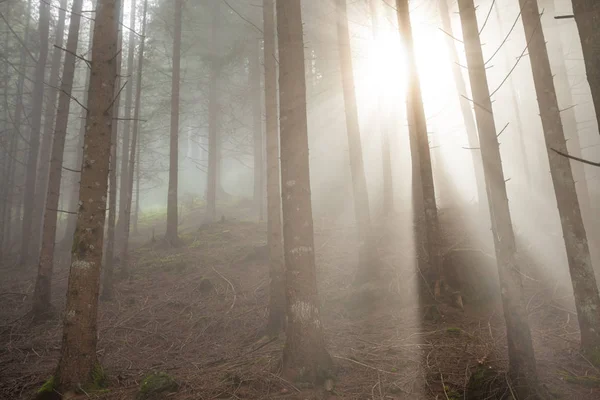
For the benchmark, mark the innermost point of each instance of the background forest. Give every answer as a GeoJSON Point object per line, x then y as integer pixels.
{"type": "Point", "coordinates": [299, 199]}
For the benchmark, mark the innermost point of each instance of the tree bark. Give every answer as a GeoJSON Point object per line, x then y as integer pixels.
{"type": "Point", "coordinates": [304, 355]}
{"type": "Point", "coordinates": [42, 294]}
{"type": "Point", "coordinates": [567, 107]}
{"type": "Point", "coordinates": [587, 18]}
{"type": "Point", "coordinates": [78, 358]}
{"type": "Point", "coordinates": [254, 83]}
{"type": "Point", "coordinates": [109, 251]}
{"type": "Point", "coordinates": [418, 127]}
{"type": "Point", "coordinates": [172, 220]}
{"type": "Point", "coordinates": [74, 195]}
{"type": "Point", "coordinates": [587, 299]}
{"type": "Point", "coordinates": [46, 144]}
{"type": "Point", "coordinates": [276, 321]}
{"type": "Point", "coordinates": [522, 368]}
{"type": "Point", "coordinates": [34, 138]}
{"type": "Point", "coordinates": [126, 127]}
{"type": "Point", "coordinates": [134, 145]}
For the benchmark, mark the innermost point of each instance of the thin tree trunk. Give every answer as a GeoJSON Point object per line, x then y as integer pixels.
{"type": "Point", "coordinates": [567, 107]}
{"type": "Point", "coordinates": [383, 122]}
{"type": "Point", "coordinates": [136, 211]}
{"type": "Point", "coordinates": [276, 322]}
{"type": "Point", "coordinates": [18, 116]}
{"type": "Point", "coordinates": [42, 295]}
{"type": "Point", "coordinates": [213, 109]}
{"type": "Point", "coordinates": [587, 17]}
{"type": "Point", "coordinates": [134, 139]}
{"type": "Point", "coordinates": [34, 138]}
{"type": "Point", "coordinates": [74, 195]}
{"type": "Point", "coordinates": [254, 83]}
{"type": "Point", "coordinates": [5, 211]}
{"type": "Point", "coordinates": [172, 220]}
{"type": "Point", "coordinates": [304, 355]}
{"type": "Point", "coordinates": [522, 368]}
{"type": "Point", "coordinates": [78, 359]}
{"type": "Point", "coordinates": [587, 299]}
{"type": "Point", "coordinates": [126, 126]}
{"type": "Point", "coordinates": [109, 252]}
{"type": "Point", "coordinates": [466, 110]}
{"type": "Point", "coordinates": [368, 269]}
{"type": "Point", "coordinates": [418, 126]}
{"type": "Point", "coordinates": [47, 136]}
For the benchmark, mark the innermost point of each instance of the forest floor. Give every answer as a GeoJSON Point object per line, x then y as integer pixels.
{"type": "Point", "coordinates": [196, 313]}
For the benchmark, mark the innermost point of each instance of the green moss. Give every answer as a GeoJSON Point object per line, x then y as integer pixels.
{"type": "Point", "coordinates": [48, 386]}
{"type": "Point", "coordinates": [452, 394]}
{"type": "Point", "coordinates": [99, 378]}
{"type": "Point", "coordinates": [586, 380]}
{"type": "Point", "coordinates": [594, 356]}
{"type": "Point", "coordinates": [99, 381]}
{"type": "Point", "coordinates": [454, 331]}
{"type": "Point", "coordinates": [156, 384]}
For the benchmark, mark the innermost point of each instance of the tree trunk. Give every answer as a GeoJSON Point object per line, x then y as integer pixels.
{"type": "Point", "coordinates": [522, 368]}
{"type": "Point", "coordinates": [567, 107]}
{"type": "Point", "coordinates": [467, 112]}
{"type": "Point", "coordinates": [254, 83]}
{"type": "Point", "coordinates": [213, 109]}
{"type": "Point", "coordinates": [46, 145]}
{"type": "Point", "coordinates": [418, 126]}
{"type": "Point", "coordinates": [109, 251]}
{"type": "Point", "coordinates": [74, 195]}
{"type": "Point", "coordinates": [172, 220]}
{"type": "Point", "coordinates": [383, 122]}
{"type": "Point", "coordinates": [368, 269]}
{"type": "Point", "coordinates": [136, 127]}
{"type": "Point", "coordinates": [17, 119]}
{"type": "Point", "coordinates": [587, 299]}
{"type": "Point", "coordinates": [126, 127]}
{"type": "Point", "coordinates": [136, 210]}
{"type": "Point", "coordinates": [5, 188]}
{"type": "Point", "coordinates": [78, 360]}
{"type": "Point", "coordinates": [587, 17]}
{"type": "Point", "coordinates": [276, 322]}
{"type": "Point", "coordinates": [42, 293]}
{"type": "Point", "coordinates": [304, 354]}
{"type": "Point", "coordinates": [34, 138]}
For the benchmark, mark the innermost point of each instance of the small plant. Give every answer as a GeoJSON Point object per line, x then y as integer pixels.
{"type": "Point", "coordinates": [454, 331]}
{"type": "Point", "coordinates": [48, 386]}
{"type": "Point", "coordinates": [156, 384]}
{"type": "Point", "coordinates": [586, 380]}
{"type": "Point", "coordinates": [99, 378]}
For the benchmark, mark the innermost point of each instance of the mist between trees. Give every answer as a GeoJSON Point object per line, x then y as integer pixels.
{"type": "Point", "coordinates": [299, 199]}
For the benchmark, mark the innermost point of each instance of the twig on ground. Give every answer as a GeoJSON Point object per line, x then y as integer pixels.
{"type": "Point", "coordinates": [232, 288]}
{"type": "Point", "coordinates": [367, 366]}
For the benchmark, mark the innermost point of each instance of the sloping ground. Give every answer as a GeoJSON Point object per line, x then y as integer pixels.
{"type": "Point", "coordinates": [196, 313]}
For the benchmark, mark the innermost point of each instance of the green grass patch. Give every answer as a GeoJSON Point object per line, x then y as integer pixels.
{"type": "Point", "coordinates": [156, 384]}
{"type": "Point", "coordinates": [48, 386]}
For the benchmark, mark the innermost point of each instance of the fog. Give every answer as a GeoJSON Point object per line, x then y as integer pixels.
{"type": "Point", "coordinates": [213, 123]}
